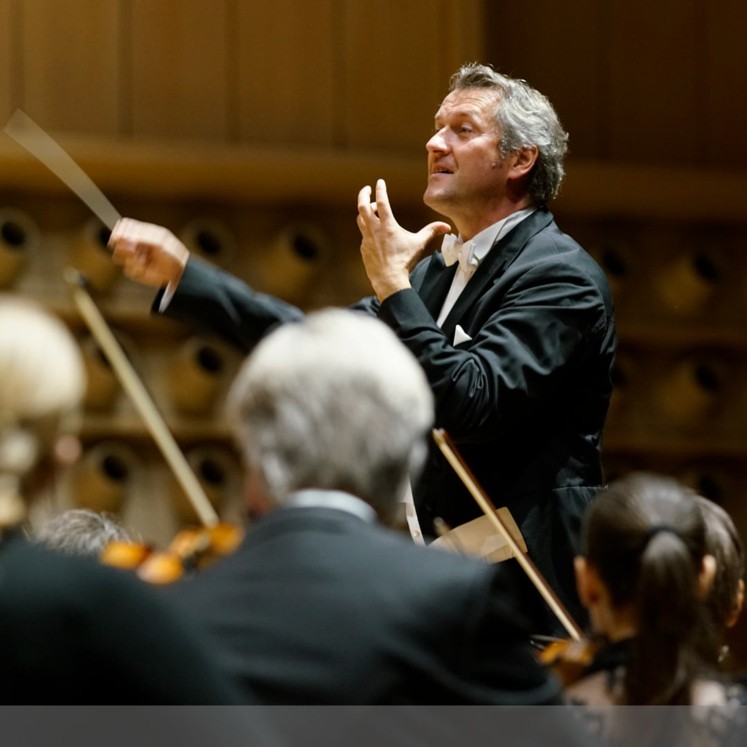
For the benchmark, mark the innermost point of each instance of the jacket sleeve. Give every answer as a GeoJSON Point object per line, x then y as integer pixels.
{"type": "Point", "coordinates": [222, 304]}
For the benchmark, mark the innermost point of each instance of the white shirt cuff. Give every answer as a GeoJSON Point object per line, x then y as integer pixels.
{"type": "Point", "coordinates": [168, 294]}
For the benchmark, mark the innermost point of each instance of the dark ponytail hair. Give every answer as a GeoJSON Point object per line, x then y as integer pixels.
{"type": "Point", "coordinates": [725, 544]}
{"type": "Point", "coordinates": [646, 538]}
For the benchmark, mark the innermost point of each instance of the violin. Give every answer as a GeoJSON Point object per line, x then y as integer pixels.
{"type": "Point", "coordinates": [191, 549]}
{"type": "Point", "coordinates": [567, 659]}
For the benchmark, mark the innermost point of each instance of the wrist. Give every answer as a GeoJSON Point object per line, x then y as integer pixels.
{"type": "Point", "coordinates": [389, 287]}
{"type": "Point", "coordinates": [180, 255]}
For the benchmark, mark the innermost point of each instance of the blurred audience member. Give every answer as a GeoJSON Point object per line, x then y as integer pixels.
{"type": "Point", "coordinates": [321, 604]}
{"type": "Point", "coordinates": [644, 574]}
{"type": "Point", "coordinates": [71, 630]}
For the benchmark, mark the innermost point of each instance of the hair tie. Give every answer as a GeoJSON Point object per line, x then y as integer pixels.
{"type": "Point", "coordinates": [655, 529]}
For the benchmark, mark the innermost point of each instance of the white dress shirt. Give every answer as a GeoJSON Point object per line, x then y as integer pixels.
{"type": "Point", "coordinates": [473, 252]}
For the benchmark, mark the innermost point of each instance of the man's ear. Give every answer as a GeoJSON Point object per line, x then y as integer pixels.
{"type": "Point", "coordinates": [587, 582]}
{"type": "Point", "coordinates": [522, 161]}
{"type": "Point", "coordinates": [256, 499]}
{"type": "Point", "coordinates": [706, 575]}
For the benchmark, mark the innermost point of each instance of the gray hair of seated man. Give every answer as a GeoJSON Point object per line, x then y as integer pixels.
{"type": "Point", "coordinates": [333, 402]}
{"type": "Point", "coordinates": [80, 531]}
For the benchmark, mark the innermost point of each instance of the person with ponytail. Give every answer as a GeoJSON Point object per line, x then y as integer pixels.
{"type": "Point", "coordinates": [644, 575]}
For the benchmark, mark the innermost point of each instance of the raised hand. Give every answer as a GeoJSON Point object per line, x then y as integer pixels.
{"type": "Point", "coordinates": [389, 251]}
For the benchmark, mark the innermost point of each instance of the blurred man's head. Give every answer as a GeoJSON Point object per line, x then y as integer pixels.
{"type": "Point", "coordinates": [42, 382]}
{"type": "Point", "coordinates": [334, 402]}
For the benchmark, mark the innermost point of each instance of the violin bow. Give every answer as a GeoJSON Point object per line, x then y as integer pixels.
{"type": "Point", "coordinates": [444, 442]}
{"type": "Point", "coordinates": [140, 398]}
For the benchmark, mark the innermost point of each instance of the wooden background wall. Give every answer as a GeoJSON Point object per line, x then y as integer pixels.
{"type": "Point", "coordinates": [329, 73]}
{"type": "Point", "coordinates": [249, 127]}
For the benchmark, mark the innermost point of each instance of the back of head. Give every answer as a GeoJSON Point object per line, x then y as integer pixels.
{"type": "Point", "coordinates": [525, 118]}
{"type": "Point", "coordinates": [333, 402]}
{"type": "Point", "coordinates": [42, 380]}
{"type": "Point", "coordinates": [645, 536]}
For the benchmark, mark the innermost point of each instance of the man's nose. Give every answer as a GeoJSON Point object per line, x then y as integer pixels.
{"type": "Point", "coordinates": [437, 142]}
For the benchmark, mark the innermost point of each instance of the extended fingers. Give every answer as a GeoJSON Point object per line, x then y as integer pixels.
{"type": "Point", "coordinates": [383, 207]}
{"type": "Point", "coordinates": [367, 218]}
{"type": "Point", "coordinates": [364, 201]}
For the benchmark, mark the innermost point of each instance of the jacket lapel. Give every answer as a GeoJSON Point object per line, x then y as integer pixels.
{"type": "Point", "coordinates": [500, 256]}
{"type": "Point", "coordinates": [435, 283]}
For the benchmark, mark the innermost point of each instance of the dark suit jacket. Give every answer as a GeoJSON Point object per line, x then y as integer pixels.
{"type": "Point", "coordinates": [525, 399]}
{"type": "Point", "coordinates": [75, 632]}
{"type": "Point", "coordinates": [319, 606]}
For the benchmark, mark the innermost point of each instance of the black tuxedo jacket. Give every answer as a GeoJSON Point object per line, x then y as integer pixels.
{"type": "Point", "coordinates": [318, 606]}
{"type": "Point", "coordinates": [524, 396]}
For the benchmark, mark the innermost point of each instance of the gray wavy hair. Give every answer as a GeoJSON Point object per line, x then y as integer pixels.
{"type": "Point", "coordinates": [525, 118]}
{"type": "Point", "coordinates": [80, 531]}
{"type": "Point", "coordinates": [333, 402]}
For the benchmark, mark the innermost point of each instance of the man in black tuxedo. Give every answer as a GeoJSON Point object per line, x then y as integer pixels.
{"type": "Point", "coordinates": [512, 321]}
{"type": "Point", "coordinates": [321, 604]}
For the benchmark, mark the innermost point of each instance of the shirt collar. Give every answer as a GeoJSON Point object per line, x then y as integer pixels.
{"type": "Point", "coordinates": [484, 241]}
{"type": "Point", "coordinates": [336, 499]}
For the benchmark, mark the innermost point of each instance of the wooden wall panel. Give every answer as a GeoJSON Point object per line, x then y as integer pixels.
{"type": "Point", "coordinates": [7, 35]}
{"type": "Point", "coordinates": [392, 53]}
{"type": "Point", "coordinates": [656, 69]}
{"type": "Point", "coordinates": [178, 62]}
{"type": "Point", "coordinates": [288, 78]}
{"type": "Point", "coordinates": [562, 56]}
{"type": "Point", "coordinates": [69, 65]}
{"type": "Point", "coordinates": [723, 100]}
{"type": "Point", "coordinates": [463, 36]}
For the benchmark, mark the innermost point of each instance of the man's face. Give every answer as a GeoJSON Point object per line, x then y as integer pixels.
{"type": "Point", "coordinates": [466, 173]}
